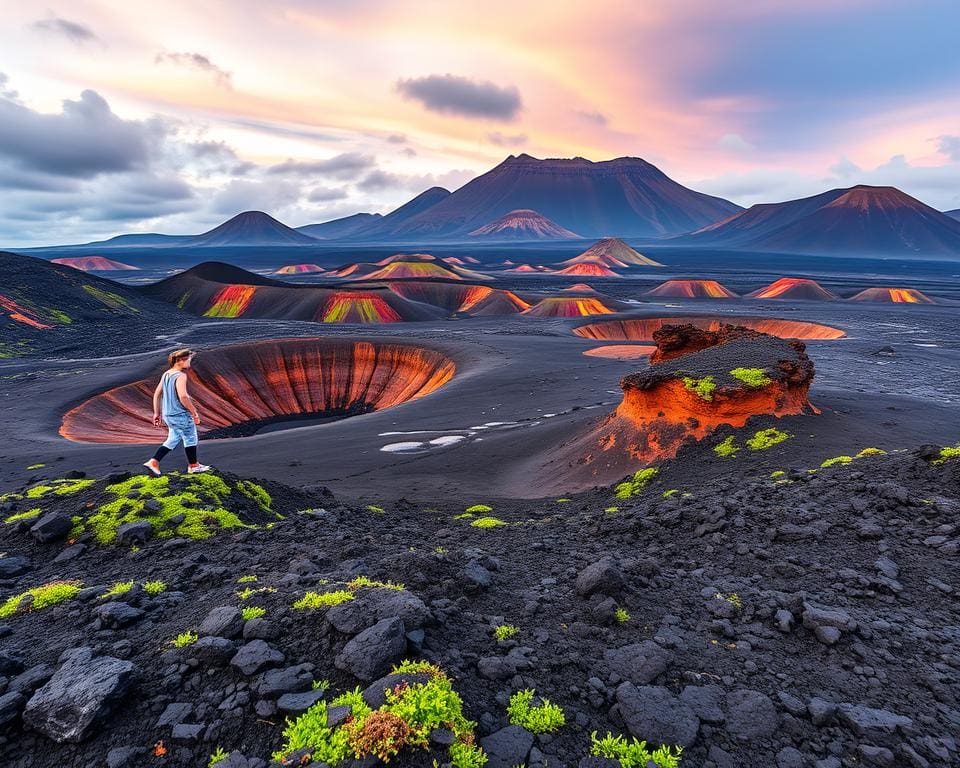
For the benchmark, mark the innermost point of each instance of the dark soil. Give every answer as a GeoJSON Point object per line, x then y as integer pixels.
{"type": "Point", "coordinates": [810, 591]}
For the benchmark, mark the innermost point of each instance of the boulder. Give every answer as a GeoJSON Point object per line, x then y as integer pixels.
{"type": "Point", "coordinates": [370, 654]}
{"type": "Point", "coordinates": [255, 656]}
{"type": "Point", "coordinates": [214, 651]}
{"type": "Point", "coordinates": [276, 682]}
{"type": "Point", "coordinates": [137, 532]}
{"type": "Point", "coordinates": [640, 663]}
{"type": "Point", "coordinates": [507, 747]}
{"type": "Point", "coordinates": [601, 577]}
{"type": "Point", "coordinates": [223, 621]}
{"type": "Point", "coordinates": [864, 721]}
{"type": "Point", "coordinates": [656, 716]}
{"type": "Point", "coordinates": [13, 566]}
{"type": "Point", "coordinates": [82, 691]}
{"type": "Point", "coordinates": [10, 706]}
{"type": "Point", "coordinates": [115, 615]}
{"type": "Point", "coordinates": [373, 605]}
{"type": "Point", "coordinates": [52, 526]}
{"type": "Point", "coordinates": [751, 715]}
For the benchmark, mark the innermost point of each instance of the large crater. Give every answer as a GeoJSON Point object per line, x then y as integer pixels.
{"type": "Point", "coordinates": [242, 388]}
{"type": "Point", "coordinates": [643, 328]}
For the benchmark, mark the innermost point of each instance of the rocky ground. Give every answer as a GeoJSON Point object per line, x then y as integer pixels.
{"type": "Point", "coordinates": [800, 619]}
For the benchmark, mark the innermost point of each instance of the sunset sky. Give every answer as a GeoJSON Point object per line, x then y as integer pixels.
{"type": "Point", "coordinates": [135, 117]}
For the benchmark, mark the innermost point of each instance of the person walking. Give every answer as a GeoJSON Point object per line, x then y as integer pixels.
{"type": "Point", "coordinates": [173, 406]}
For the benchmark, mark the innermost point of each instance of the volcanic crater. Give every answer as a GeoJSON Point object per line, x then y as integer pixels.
{"type": "Point", "coordinates": [242, 388]}
{"type": "Point", "coordinates": [645, 328]}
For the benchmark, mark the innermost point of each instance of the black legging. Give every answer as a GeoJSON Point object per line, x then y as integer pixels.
{"type": "Point", "coordinates": [190, 450]}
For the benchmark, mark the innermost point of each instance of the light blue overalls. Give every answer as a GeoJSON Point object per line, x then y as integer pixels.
{"type": "Point", "coordinates": [177, 418]}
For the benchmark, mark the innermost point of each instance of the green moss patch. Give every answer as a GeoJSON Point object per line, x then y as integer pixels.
{"type": "Point", "coordinates": [542, 718]}
{"type": "Point", "coordinates": [632, 753]}
{"type": "Point", "coordinates": [488, 522]}
{"type": "Point", "coordinates": [702, 388]}
{"type": "Point", "coordinates": [38, 598]}
{"type": "Point", "coordinates": [752, 377]}
{"type": "Point", "coordinates": [766, 438]}
{"type": "Point", "coordinates": [635, 484]}
{"type": "Point", "coordinates": [192, 506]}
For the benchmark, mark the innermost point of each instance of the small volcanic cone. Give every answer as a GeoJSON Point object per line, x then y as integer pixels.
{"type": "Point", "coordinates": [299, 269]}
{"type": "Point", "coordinates": [573, 306]}
{"type": "Point", "coordinates": [691, 289]}
{"type": "Point", "coordinates": [461, 298]}
{"type": "Point", "coordinates": [523, 224]}
{"type": "Point", "coordinates": [588, 269]}
{"type": "Point", "coordinates": [581, 288]}
{"type": "Point", "coordinates": [242, 387]}
{"type": "Point", "coordinates": [613, 252]}
{"type": "Point", "coordinates": [354, 271]}
{"type": "Point", "coordinates": [663, 406]}
{"type": "Point", "coordinates": [529, 269]}
{"type": "Point", "coordinates": [794, 288]}
{"type": "Point", "coordinates": [400, 270]}
{"type": "Point", "coordinates": [893, 296]}
{"type": "Point", "coordinates": [644, 328]}
{"type": "Point", "coordinates": [406, 257]}
{"type": "Point", "coordinates": [93, 264]}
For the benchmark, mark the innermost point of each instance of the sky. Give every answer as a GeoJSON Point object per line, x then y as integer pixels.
{"type": "Point", "coordinates": [134, 116]}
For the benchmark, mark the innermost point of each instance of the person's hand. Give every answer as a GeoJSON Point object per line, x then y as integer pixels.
{"type": "Point", "coordinates": [196, 418]}
{"type": "Point", "coordinates": [156, 422]}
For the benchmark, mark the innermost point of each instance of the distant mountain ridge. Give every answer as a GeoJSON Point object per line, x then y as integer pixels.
{"type": "Point", "coordinates": [856, 220]}
{"type": "Point", "coordinates": [626, 196]}
{"type": "Point", "coordinates": [337, 228]}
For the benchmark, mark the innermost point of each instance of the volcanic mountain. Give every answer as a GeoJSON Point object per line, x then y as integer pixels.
{"type": "Point", "coordinates": [523, 224]}
{"type": "Point", "coordinates": [798, 288]}
{"type": "Point", "coordinates": [858, 220]}
{"type": "Point", "coordinates": [93, 264]}
{"type": "Point", "coordinates": [628, 196]}
{"type": "Point", "coordinates": [613, 252]}
{"type": "Point", "coordinates": [385, 226]}
{"type": "Point", "coordinates": [250, 228]}
{"type": "Point", "coordinates": [337, 228]}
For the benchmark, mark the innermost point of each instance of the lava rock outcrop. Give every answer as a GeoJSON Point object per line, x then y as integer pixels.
{"type": "Point", "coordinates": [695, 383]}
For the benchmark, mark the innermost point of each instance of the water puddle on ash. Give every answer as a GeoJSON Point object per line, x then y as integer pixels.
{"type": "Point", "coordinates": [447, 438]}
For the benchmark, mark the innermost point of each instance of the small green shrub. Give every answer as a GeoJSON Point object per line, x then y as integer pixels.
{"type": "Point", "coordinates": [671, 493]}
{"type": "Point", "coordinates": [777, 473]}
{"type": "Point", "coordinates": [637, 483]}
{"type": "Point", "coordinates": [36, 466]}
{"type": "Point", "coordinates": [487, 522]}
{"type": "Point", "coordinates": [252, 612]}
{"type": "Point", "coordinates": [505, 632]}
{"type": "Point", "coordinates": [246, 579]}
{"type": "Point", "coordinates": [363, 581]}
{"type": "Point", "coordinates": [702, 388]}
{"type": "Point", "coordinates": [247, 592]}
{"type": "Point", "coordinates": [836, 460]}
{"type": "Point", "coordinates": [185, 639]}
{"type": "Point", "coordinates": [870, 452]}
{"type": "Point", "coordinates": [256, 493]}
{"type": "Point", "coordinates": [633, 753]}
{"type": "Point", "coordinates": [563, 501]}
{"type": "Point", "coordinates": [622, 615]}
{"type": "Point", "coordinates": [323, 599]}
{"type": "Point", "coordinates": [410, 713]}
{"type": "Point", "coordinates": [478, 509]}
{"type": "Point", "coordinates": [218, 756]}
{"type": "Point", "coordinates": [120, 588]}
{"type": "Point", "coordinates": [545, 718]}
{"type": "Point", "coordinates": [766, 438]}
{"type": "Point", "coordinates": [752, 377]}
{"type": "Point", "coordinates": [377, 510]}
{"type": "Point", "coordinates": [44, 596]}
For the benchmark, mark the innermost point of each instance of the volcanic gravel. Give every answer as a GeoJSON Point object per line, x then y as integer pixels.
{"type": "Point", "coordinates": [808, 619]}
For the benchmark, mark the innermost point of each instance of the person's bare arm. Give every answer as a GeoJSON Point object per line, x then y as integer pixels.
{"type": "Point", "coordinates": [185, 398]}
{"type": "Point", "coordinates": [157, 394]}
